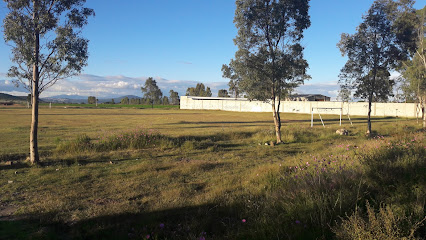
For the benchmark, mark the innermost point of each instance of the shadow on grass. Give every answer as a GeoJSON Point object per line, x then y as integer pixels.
{"type": "Point", "coordinates": [327, 118]}
{"type": "Point", "coordinates": [15, 165]}
{"type": "Point", "coordinates": [210, 221]}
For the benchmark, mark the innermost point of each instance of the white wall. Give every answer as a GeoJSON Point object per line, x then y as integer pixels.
{"type": "Point", "coordinates": [353, 108]}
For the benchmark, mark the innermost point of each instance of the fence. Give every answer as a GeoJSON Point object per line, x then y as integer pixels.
{"type": "Point", "coordinates": [351, 108]}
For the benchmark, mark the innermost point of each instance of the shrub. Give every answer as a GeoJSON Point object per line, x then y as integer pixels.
{"type": "Point", "coordinates": [384, 224]}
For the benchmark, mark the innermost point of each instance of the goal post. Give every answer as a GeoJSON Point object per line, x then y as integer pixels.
{"type": "Point", "coordinates": [327, 108]}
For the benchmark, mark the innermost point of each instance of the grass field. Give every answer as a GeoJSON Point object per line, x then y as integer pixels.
{"type": "Point", "coordinates": [173, 174]}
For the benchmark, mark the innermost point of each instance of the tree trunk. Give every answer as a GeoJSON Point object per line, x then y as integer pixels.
{"type": "Point", "coordinates": [369, 116]}
{"type": "Point", "coordinates": [277, 121]}
{"type": "Point", "coordinates": [34, 157]}
{"type": "Point", "coordinates": [422, 107]}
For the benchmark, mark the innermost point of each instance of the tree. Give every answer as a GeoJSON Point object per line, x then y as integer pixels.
{"type": "Point", "coordinates": [91, 100]}
{"type": "Point", "coordinates": [165, 101]}
{"type": "Point", "coordinates": [112, 101]}
{"type": "Point", "coordinates": [174, 97]}
{"type": "Point", "coordinates": [228, 72]}
{"type": "Point", "coordinates": [134, 101]}
{"type": "Point", "coordinates": [378, 45]}
{"type": "Point", "coordinates": [344, 94]}
{"type": "Point", "coordinates": [222, 93]}
{"type": "Point", "coordinates": [125, 100]}
{"type": "Point", "coordinates": [46, 47]}
{"type": "Point", "coordinates": [199, 91]}
{"type": "Point", "coordinates": [269, 61]}
{"type": "Point", "coordinates": [152, 92]}
{"type": "Point", "coordinates": [414, 70]}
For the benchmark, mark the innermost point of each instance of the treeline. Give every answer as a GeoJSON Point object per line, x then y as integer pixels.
{"type": "Point", "coordinates": [152, 95]}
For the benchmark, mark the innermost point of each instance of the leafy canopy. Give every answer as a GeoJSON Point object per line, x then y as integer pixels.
{"type": "Point", "coordinates": [174, 97]}
{"type": "Point", "coordinates": [269, 60]}
{"type": "Point", "coordinates": [151, 91]}
{"type": "Point", "coordinates": [200, 91]}
{"type": "Point", "coordinates": [57, 25]}
{"type": "Point", "coordinates": [380, 43]}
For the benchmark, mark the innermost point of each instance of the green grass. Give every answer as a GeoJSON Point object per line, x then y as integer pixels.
{"type": "Point", "coordinates": [101, 105]}
{"type": "Point", "coordinates": [120, 173]}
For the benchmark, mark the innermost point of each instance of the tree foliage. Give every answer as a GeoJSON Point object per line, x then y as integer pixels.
{"type": "Point", "coordinates": [91, 100]}
{"type": "Point", "coordinates": [414, 70]}
{"type": "Point", "coordinates": [165, 101]}
{"type": "Point", "coordinates": [200, 91]}
{"type": "Point", "coordinates": [46, 42]}
{"type": "Point", "coordinates": [152, 93]}
{"type": "Point", "coordinates": [125, 100]}
{"type": "Point", "coordinates": [344, 94]}
{"type": "Point", "coordinates": [223, 93]}
{"type": "Point", "coordinates": [381, 41]}
{"type": "Point", "coordinates": [234, 79]}
{"type": "Point", "coordinates": [174, 97]}
{"type": "Point", "coordinates": [56, 26]}
{"type": "Point", "coordinates": [269, 61]}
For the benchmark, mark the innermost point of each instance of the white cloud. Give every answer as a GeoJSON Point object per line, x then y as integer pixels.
{"type": "Point", "coordinates": [329, 89]}
{"type": "Point", "coordinates": [15, 93]}
{"type": "Point", "coordinates": [116, 86]}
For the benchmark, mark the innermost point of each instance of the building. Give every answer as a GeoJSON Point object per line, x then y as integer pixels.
{"type": "Point", "coordinates": [308, 97]}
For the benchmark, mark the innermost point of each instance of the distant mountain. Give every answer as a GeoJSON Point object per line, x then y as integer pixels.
{"type": "Point", "coordinates": [66, 99]}
{"type": "Point", "coordinates": [118, 99]}
{"type": "Point", "coordinates": [7, 97]}
{"type": "Point", "coordinates": [64, 96]}
{"type": "Point", "coordinates": [83, 99]}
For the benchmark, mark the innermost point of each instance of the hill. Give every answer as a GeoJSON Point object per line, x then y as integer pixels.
{"type": "Point", "coordinates": [83, 99]}
{"type": "Point", "coordinates": [4, 97]}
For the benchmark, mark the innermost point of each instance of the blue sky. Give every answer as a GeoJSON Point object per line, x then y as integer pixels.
{"type": "Point", "coordinates": [184, 42]}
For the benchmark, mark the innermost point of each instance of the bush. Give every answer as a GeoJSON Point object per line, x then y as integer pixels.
{"type": "Point", "coordinates": [384, 224]}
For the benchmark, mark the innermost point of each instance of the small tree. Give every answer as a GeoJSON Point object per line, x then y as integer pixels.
{"type": "Point", "coordinates": [165, 100]}
{"type": "Point", "coordinates": [152, 92]}
{"type": "Point", "coordinates": [269, 61]}
{"type": "Point", "coordinates": [223, 93]}
{"type": "Point", "coordinates": [174, 97]}
{"type": "Point", "coordinates": [378, 45]}
{"type": "Point", "coordinates": [91, 100]}
{"type": "Point", "coordinates": [112, 101]}
{"type": "Point", "coordinates": [46, 47]}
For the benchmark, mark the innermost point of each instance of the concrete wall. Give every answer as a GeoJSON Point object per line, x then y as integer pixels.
{"type": "Point", "coordinates": [353, 108]}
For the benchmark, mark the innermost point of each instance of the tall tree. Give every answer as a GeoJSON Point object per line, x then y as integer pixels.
{"type": "Point", "coordinates": [377, 47]}
{"type": "Point", "coordinates": [223, 93]}
{"type": "Point", "coordinates": [174, 97]}
{"type": "Point", "coordinates": [414, 70]}
{"type": "Point", "coordinates": [47, 46]}
{"type": "Point", "coordinates": [269, 60]}
{"type": "Point", "coordinates": [152, 92]}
